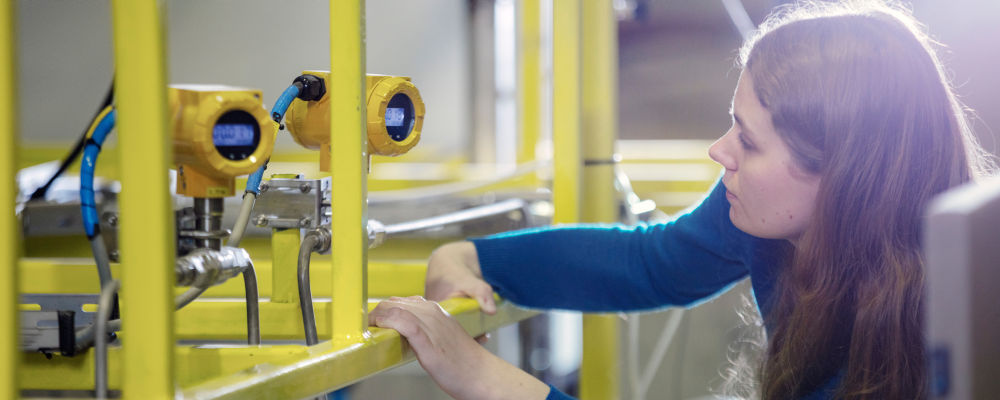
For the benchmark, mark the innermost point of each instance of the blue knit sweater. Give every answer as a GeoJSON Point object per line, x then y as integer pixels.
{"type": "Point", "coordinates": [598, 268]}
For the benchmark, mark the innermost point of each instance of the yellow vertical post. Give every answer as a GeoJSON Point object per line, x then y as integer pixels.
{"type": "Point", "coordinates": [349, 162]}
{"type": "Point", "coordinates": [529, 79]}
{"type": "Point", "coordinates": [147, 234]}
{"type": "Point", "coordinates": [566, 111]}
{"type": "Point", "coordinates": [10, 247]}
{"type": "Point", "coordinates": [600, 369]}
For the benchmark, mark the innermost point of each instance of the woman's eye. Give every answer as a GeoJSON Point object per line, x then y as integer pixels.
{"type": "Point", "coordinates": [743, 142]}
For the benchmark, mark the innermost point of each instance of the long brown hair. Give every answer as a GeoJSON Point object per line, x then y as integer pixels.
{"type": "Point", "coordinates": [857, 92]}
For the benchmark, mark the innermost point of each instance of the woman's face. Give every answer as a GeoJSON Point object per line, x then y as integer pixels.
{"type": "Point", "coordinates": [770, 196]}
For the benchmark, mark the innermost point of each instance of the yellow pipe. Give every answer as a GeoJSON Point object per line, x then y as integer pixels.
{"type": "Point", "coordinates": [147, 234]}
{"type": "Point", "coordinates": [349, 158]}
{"type": "Point", "coordinates": [566, 111]}
{"type": "Point", "coordinates": [10, 246]}
{"type": "Point", "coordinates": [529, 79]}
{"type": "Point", "coordinates": [600, 369]}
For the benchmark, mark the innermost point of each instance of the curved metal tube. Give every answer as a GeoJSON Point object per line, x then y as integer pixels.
{"type": "Point", "coordinates": [85, 336]}
{"type": "Point", "coordinates": [188, 296]}
{"type": "Point", "coordinates": [101, 258]}
{"type": "Point", "coordinates": [253, 305]}
{"type": "Point", "coordinates": [104, 306]}
{"type": "Point", "coordinates": [305, 292]}
{"type": "Point", "coordinates": [430, 193]}
{"type": "Point", "coordinates": [470, 214]}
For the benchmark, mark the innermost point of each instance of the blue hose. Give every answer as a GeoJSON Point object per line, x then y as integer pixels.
{"type": "Point", "coordinates": [285, 100]}
{"type": "Point", "coordinates": [253, 181]}
{"type": "Point", "coordinates": [277, 114]}
{"type": "Point", "coordinates": [90, 152]}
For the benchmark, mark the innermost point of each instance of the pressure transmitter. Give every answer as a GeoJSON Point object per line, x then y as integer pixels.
{"type": "Point", "coordinates": [395, 117]}
{"type": "Point", "coordinates": [219, 133]}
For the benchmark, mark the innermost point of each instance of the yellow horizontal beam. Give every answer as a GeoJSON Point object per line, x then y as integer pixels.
{"type": "Point", "coordinates": [226, 320]}
{"type": "Point", "coordinates": [269, 371]}
{"type": "Point", "coordinates": [60, 275]}
{"type": "Point", "coordinates": [330, 368]}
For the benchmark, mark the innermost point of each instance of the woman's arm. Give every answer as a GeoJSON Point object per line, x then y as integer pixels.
{"type": "Point", "coordinates": [600, 267]}
{"type": "Point", "coordinates": [459, 365]}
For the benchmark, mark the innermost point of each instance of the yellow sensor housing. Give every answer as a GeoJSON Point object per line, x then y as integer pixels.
{"type": "Point", "coordinates": [219, 133]}
{"type": "Point", "coordinates": [395, 117]}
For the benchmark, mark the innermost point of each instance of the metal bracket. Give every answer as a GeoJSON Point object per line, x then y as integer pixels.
{"type": "Point", "coordinates": [41, 330]}
{"type": "Point", "coordinates": [293, 203]}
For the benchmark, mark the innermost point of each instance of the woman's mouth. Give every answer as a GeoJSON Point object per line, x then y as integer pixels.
{"type": "Point", "coordinates": [730, 196]}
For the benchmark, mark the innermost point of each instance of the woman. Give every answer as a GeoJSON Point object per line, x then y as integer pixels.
{"type": "Point", "coordinates": [844, 126]}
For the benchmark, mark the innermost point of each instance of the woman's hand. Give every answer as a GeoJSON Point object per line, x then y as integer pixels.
{"type": "Point", "coordinates": [459, 365]}
{"type": "Point", "coordinates": [453, 270]}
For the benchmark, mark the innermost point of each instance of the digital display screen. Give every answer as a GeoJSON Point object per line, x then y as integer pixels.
{"type": "Point", "coordinates": [233, 134]}
{"type": "Point", "coordinates": [394, 116]}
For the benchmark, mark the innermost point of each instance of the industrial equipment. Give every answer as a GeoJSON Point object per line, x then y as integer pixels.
{"type": "Point", "coordinates": [219, 133]}
{"type": "Point", "coordinates": [395, 117]}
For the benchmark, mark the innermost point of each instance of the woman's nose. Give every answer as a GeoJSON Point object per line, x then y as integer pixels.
{"type": "Point", "coordinates": [721, 152]}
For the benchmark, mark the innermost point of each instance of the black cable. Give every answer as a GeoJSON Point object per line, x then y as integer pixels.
{"type": "Point", "coordinates": [77, 149]}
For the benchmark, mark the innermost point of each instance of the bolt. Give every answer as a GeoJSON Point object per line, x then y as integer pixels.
{"type": "Point", "coordinates": [260, 221]}
{"type": "Point", "coordinates": [305, 188]}
{"type": "Point", "coordinates": [264, 186]}
{"type": "Point", "coordinates": [304, 222]}
{"type": "Point", "coordinates": [111, 219]}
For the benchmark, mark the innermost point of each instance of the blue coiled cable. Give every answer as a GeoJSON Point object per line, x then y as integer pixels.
{"type": "Point", "coordinates": [277, 114]}
{"type": "Point", "coordinates": [285, 100]}
{"type": "Point", "coordinates": [93, 147]}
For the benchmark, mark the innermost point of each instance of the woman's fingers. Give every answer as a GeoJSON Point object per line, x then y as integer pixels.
{"type": "Point", "coordinates": [482, 339]}
{"type": "Point", "coordinates": [483, 293]}
{"type": "Point", "coordinates": [463, 368]}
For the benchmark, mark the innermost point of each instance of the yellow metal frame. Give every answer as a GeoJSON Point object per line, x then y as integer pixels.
{"type": "Point", "coordinates": [149, 365]}
{"type": "Point", "coordinates": [46, 275]}
{"type": "Point", "coordinates": [349, 158]}
{"type": "Point", "coordinates": [267, 372]}
{"type": "Point", "coordinates": [599, 372]}
{"type": "Point", "coordinates": [529, 79]}
{"type": "Point", "coordinates": [146, 230]}
{"type": "Point", "coordinates": [10, 247]}
{"type": "Point", "coordinates": [584, 80]}
{"type": "Point", "coordinates": [567, 163]}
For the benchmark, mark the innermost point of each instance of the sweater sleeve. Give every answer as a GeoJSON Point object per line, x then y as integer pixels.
{"type": "Point", "coordinates": [555, 394]}
{"type": "Point", "coordinates": [616, 268]}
